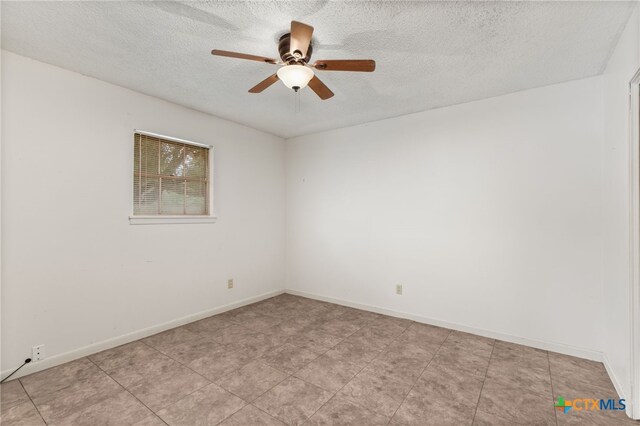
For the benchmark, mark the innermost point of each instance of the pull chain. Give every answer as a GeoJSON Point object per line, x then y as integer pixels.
{"type": "Point", "coordinates": [296, 102]}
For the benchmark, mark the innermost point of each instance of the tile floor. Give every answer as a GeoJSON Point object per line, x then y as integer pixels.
{"type": "Point", "coordinates": [291, 360]}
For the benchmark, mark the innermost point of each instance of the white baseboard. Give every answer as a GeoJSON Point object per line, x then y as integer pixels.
{"type": "Point", "coordinates": [130, 337]}
{"type": "Point", "coordinates": [539, 344]}
{"type": "Point", "coordinates": [618, 386]}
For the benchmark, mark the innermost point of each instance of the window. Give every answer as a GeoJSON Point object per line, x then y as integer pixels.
{"type": "Point", "coordinates": [170, 179]}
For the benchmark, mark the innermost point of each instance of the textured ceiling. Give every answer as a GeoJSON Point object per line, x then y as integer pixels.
{"type": "Point", "coordinates": [428, 54]}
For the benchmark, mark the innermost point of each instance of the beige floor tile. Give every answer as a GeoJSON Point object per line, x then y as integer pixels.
{"type": "Point", "coordinates": [251, 416]}
{"type": "Point", "coordinates": [160, 391]}
{"type": "Point", "coordinates": [340, 412]}
{"type": "Point", "coordinates": [460, 359]}
{"type": "Point", "coordinates": [152, 420]}
{"type": "Point", "coordinates": [239, 314]}
{"type": "Point", "coordinates": [293, 401]}
{"type": "Point", "coordinates": [388, 326]}
{"type": "Point", "coordinates": [291, 327]}
{"type": "Point", "coordinates": [519, 376]}
{"type": "Point", "coordinates": [398, 365]}
{"type": "Point", "coordinates": [417, 332]}
{"type": "Point", "coordinates": [207, 327]}
{"type": "Point", "coordinates": [314, 340]}
{"type": "Point", "coordinates": [75, 397]}
{"type": "Point", "coordinates": [507, 362]}
{"type": "Point", "coordinates": [121, 408]}
{"type": "Point", "coordinates": [233, 334]}
{"type": "Point", "coordinates": [339, 327]}
{"type": "Point", "coordinates": [252, 380]}
{"type": "Point", "coordinates": [169, 339]}
{"type": "Point", "coordinates": [440, 397]}
{"type": "Point", "coordinates": [289, 358]}
{"type": "Point", "coordinates": [456, 386]}
{"type": "Point", "coordinates": [375, 392]}
{"type": "Point", "coordinates": [207, 406]}
{"type": "Point", "coordinates": [328, 373]}
{"type": "Point", "coordinates": [111, 359]}
{"type": "Point", "coordinates": [373, 337]}
{"type": "Point", "coordinates": [383, 320]}
{"type": "Point", "coordinates": [23, 414]}
{"type": "Point", "coordinates": [578, 370]}
{"type": "Point", "coordinates": [259, 344]}
{"type": "Point", "coordinates": [271, 338]}
{"type": "Point", "coordinates": [355, 351]}
{"type": "Point", "coordinates": [44, 383]}
{"type": "Point", "coordinates": [420, 412]}
{"type": "Point", "coordinates": [523, 405]}
{"type": "Point", "coordinates": [214, 366]}
{"type": "Point", "coordinates": [423, 350]}
{"type": "Point", "coordinates": [523, 355]}
{"type": "Point", "coordinates": [12, 393]}
{"type": "Point", "coordinates": [334, 311]}
{"type": "Point", "coordinates": [260, 323]}
{"type": "Point", "coordinates": [481, 346]}
{"type": "Point", "coordinates": [188, 352]}
{"type": "Point", "coordinates": [132, 363]}
{"type": "Point", "coordinates": [484, 419]}
{"type": "Point", "coordinates": [357, 317]}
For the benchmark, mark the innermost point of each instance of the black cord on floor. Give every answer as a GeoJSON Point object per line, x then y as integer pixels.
{"type": "Point", "coordinates": [26, 361]}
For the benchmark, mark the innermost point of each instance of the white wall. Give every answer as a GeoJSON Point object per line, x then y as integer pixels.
{"type": "Point", "coordinates": [489, 213]}
{"type": "Point", "coordinates": [623, 64]}
{"type": "Point", "coordinates": [75, 272]}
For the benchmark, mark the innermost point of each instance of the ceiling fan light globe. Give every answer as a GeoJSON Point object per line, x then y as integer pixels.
{"type": "Point", "coordinates": [295, 76]}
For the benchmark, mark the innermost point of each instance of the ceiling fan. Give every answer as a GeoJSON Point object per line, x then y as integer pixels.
{"type": "Point", "coordinates": [295, 50]}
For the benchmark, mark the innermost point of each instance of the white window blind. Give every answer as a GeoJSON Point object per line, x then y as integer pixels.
{"type": "Point", "coordinates": [170, 178]}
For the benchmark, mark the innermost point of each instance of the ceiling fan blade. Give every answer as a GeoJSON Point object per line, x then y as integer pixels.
{"type": "Point", "coordinates": [264, 84]}
{"type": "Point", "coordinates": [319, 87]}
{"type": "Point", "coordinates": [242, 56]}
{"type": "Point", "coordinates": [362, 65]}
{"type": "Point", "coordinates": [300, 38]}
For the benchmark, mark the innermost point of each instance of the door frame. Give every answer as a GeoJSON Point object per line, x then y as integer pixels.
{"type": "Point", "coordinates": [634, 240]}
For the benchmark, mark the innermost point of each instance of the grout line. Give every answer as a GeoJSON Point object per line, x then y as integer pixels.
{"type": "Point", "coordinates": [555, 412]}
{"type": "Point", "coordinates": [225, 418]}
{"type": "Point", "coordinates": [277, 384]}
{"type": "Point", "coordinates": [177, 362]}
{"type": "Point", "coordinates": [484, 379]}
{"type": "Point", "coordinates": [189, 368]}
{"type": "Point", "coordinates": [230, 323]}
{"type": "Point", "coordinates": [30, 399]}
{"type": "Point", "coordinates": [233, 371]}
{"type": "Point", "coordinates": [187, 395]}
{"type": "Point", "coordinates": [335, 393]}
{"type": "Point", "coordinates": [80, 381]}
{"type": "Point", "coordinates": [126, 390]}
{"type": "Point", "coordinates": [421, 373]}
{"type": "Point", "coordinates": [348, 381]}
{"type": "Point", "coordinates": [260, 409]}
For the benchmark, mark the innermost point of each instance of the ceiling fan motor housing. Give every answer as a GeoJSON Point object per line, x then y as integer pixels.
{"type": "Point", "coordinates": [284, 48]}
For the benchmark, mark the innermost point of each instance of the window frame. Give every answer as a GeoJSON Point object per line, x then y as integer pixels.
{"type": "Point", "coordinates": [172, 219]}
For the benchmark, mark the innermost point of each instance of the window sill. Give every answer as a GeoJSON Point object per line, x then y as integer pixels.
{"type": "Point", "coordinates": [170, 220]}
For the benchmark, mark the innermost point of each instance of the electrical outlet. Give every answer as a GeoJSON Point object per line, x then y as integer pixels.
{"type": "Point", "coordinates": [230, 283]}
{"type": "Point", "coordinates": [37, 353]}
{"type": "Point", "coordinates": [399, 289]}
